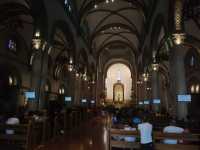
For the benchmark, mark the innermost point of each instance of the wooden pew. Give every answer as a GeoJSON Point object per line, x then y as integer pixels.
{"type": "Point", "coordinates": [160, 146]}
{"type": "Point", "coordinates": [21, 138]}
{"type": "Point", "coordinates": [121, 143]}
{"type": "Point", "coordinates": [192, 141]}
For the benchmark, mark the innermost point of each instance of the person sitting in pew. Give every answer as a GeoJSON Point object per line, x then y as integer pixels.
{"type": "Point", "coordinates": [145, 129]}
{"type": "Point", "coordinates": [129, 138]}
{"type": "Point", "coordinates": [136, 120]}
{"type": "Point", "coordinates": [12, 120]}
{"type": "Point", "coordinates": [172, 128]}
{"type": "Point", "coordinates": [122, 137]}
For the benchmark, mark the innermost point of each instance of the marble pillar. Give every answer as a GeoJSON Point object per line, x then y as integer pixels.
{"type": "Point", "coordinates": [178, 79]}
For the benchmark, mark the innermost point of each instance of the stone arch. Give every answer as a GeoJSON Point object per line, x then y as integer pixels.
{"type": "Point", "coordinates": [126, 80]}
{"type": "Point", "coordinates": [64, 47]}
{"type": "Point", "coordinates": [156, 31]}
{"type": "Point", "coordinates": [192, 53]}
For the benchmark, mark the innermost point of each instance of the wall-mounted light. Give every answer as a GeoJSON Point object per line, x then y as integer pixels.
{"type": "Point", "coordinates": [77, 74]}
{"type": "Point", "coordinates": [85, 77]}
{"type": "Point", "coordinates": [49, 50]}
{"type": "Point", "coordinates": [179, 38]}
{"type": "Point", "coordinates": [70, 65]}
{"type": "Point", "coordinates": [148, 89]}
{"type": "Point", "coordinates": [93, 79]}
{"type": "Point", "coordinates": [36, 41]}
{"type": "Point", "coordinates": [197, 88]}
{"type": "Point", "coordinates": [93, 82]}
{"type": "Point", "coordinates": [145, 77]}
{"type": "Point", "coordinates": [95, 6]}
{"type": "Point", "coordinates": [61, 90]}
{"type": "Point", "coordinates": [192, 89]}
{"type": "Point", "coordinates": [139, 82]}
{"type": "Point", "coordinates": [37, 34]}
{"type": "Point", "coordinates": [155, 66]}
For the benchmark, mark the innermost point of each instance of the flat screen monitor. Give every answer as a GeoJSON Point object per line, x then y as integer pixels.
{"type": "Point", "coordinates": [30, 94]}
{"type": "Point", "coordinates": [140, 103]}
{"type": "Point", "coordinates": [156, 101]}
{"type": "Point", "coordinates": [184, 98]}
{"type": "Point", "coordinates": [92, 101]}
{"type": "Point", "coordinates": [84, 100]}
{"type": "Point", "coordinates": [68, 99]}
{"type": "Point", "coordinates": [146, 102]}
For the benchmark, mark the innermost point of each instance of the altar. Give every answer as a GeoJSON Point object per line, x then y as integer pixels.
{"type": "Point", "coordinates": [118, 92]}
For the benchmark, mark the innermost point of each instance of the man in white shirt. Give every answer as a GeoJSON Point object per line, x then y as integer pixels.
{"type": "Point", "coordinates": [172, 129]}
{"type": "Point", "coordinates": [145, 129]}
{"type": "Point", "coordinates": [11, 121]}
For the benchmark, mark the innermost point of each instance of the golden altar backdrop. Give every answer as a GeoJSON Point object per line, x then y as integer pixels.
{"type": "Point", "coordinates": [118, 92]}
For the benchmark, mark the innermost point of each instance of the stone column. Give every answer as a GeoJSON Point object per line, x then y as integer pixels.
{"type": "Point", "coordinates": [178, 79]}
{"type": "Point", "coordinates": [155, 90]}
{"type": "Point", "coordinates": [77, 91]}
{"type": "Point", "coordinates": [35, 81]}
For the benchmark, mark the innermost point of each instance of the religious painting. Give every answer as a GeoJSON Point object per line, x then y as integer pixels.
{"type": "Point", "coordinates": [118, 92]}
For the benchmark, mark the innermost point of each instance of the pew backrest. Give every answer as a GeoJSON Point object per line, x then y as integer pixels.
{"type": "Point", "coordinates": [122, 143]}
{"type": "Point", "coordinates": [183, 136]}
{"type": "Point", "coordinates": [21, 137]}
{"type": "Point", "coordinates": [190, 141]}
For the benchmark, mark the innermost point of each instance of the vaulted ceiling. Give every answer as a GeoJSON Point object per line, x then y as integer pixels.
{"type": "Point", "coordinates": [116, 27]}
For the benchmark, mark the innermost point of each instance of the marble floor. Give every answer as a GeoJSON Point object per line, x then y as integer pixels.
{"type": "Point", "coordinates": [89, 136]}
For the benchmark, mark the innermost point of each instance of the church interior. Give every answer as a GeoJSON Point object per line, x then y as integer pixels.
{"type": "Point", "coordinates": [74, 74]}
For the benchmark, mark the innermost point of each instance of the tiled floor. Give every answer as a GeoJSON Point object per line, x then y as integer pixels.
{"type": "Point", "coordinates": [90, 136]}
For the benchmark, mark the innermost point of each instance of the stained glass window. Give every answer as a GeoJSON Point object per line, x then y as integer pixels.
{"type": "Point", "coordinates": [12, 45]}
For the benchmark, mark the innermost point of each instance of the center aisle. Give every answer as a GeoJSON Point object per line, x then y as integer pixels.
{"type": "Point", "coordinates": [89, 136]}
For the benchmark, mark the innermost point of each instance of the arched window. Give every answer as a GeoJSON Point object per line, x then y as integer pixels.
{"type": "Point", "coordinates": [12, 81]}
{"type": "Point", "coordinates": [197, 88]}
{"type": "Point", "coordinates": [12, 45]}
{"type": "Point", "coordinates": [46, 88]}
{"type": "Point", "coordinates": [194, 88]}
{"type": "Point", "coordinates": [61, 90]}
{"type": "Point", "coordinates": [67, 5]}
{"type": "Point", "coordinates": [192, 61]}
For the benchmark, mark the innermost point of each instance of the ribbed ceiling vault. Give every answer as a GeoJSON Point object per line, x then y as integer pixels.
{"type": "Point", "coordinates": [118, 22]}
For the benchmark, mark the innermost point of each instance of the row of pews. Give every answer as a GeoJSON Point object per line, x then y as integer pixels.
{"type": "Point", "coordinates": [32, 134]}
{"type": "Point", "coordinates": [190, 141]}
